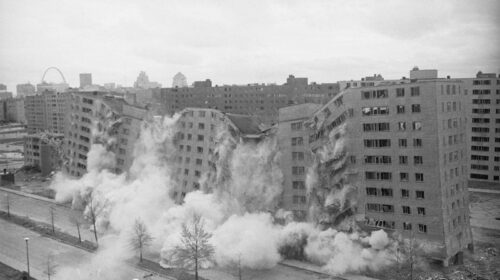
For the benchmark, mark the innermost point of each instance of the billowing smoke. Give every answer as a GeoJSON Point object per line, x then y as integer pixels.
{"type": "Point", "coordinates": [238, 202]}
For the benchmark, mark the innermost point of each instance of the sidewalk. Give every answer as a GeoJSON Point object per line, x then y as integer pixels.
{"type": "Point", "coordinates": [317, 269]}
{"type": "Point", "coordinates": [34, 196]}
{"type": "Point", "coordinates": [484, 191]}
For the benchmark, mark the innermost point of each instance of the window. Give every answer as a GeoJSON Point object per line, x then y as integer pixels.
{"type": "Point", "coordinates": [298, 185]}
{"type": "Point", "coordinates": [386, 192]}
{"type": "Point", "coordinates": [422, 228]}
{"type": "Point", "coordinates": [419, 194]}
{"type": "Point", "coordinates": [417, 126]}
{"type": "Point", "coordinates": [400, 92]}
{"type": "Point", "coordinates": [377, 143]}
{"type": "Point", "coordinates": [200, 137]}
{"type": "Point", "coordinates": [367, 127]}
{"type": "Point", "coordinates": [406, 210]}
{"type": "Point", "coordinates": [371, 191]}
{"type": "Point", "coordinates": [197, 173]}
{"type": "Point", "coordinates": [415, 108]}
{"type": "Point", "coordinates": [401, 126]}
{"type": "Point", "coordinates": [199, 150]}
{"type": "Point", "coordinates": [372, 175]}
{"type": "Point", "coordinates": [298, 155]}
{"type": "Point", "coordinates": [297, 141]}
{"type": "Point", "coordinates": [387, 208]}
{"type": "Point", "coordinates": [373, 207]}
{"type": "Point", "coordinates": [201, 114]}
{"type": "Point", "coordinates": [377, 159]}
{"type": "Point", "coordinates": [375, 111]}
{"type": "Point", "coordinates": [404, 177]}
{"type": "Point", "coordinates": [296, 126]}
{"type": "Point", "coordinates": [400, 109]}
{"type": "Point", "coordinates": [405, 193]}
{"type": "Point", "coordinates": [190, 136]}
{"type": "Point", "coordinates": [188, 148]}
{"type": "Point", "coordinates": [417, 142]}
{"type": "Point", "coordinates": [403, 143]}
{"type": "Point", "coordinates": [403, 159]}
{"type": "Point", "coordinates": [186, 171]}
{"type": "Point", "coordinates": [418, 160]}
{"type": "Point", "coordinates": [406, 226]}
{"type": "Point", "coordinates": [298, 170]}
{"type": "Point", "coordinates": [415, 91]}
{"type": "Point", "coordinates": [199, 161]}
{"type": "Point", "coordinates": [419, 177]}
{"type": "Point", "coordinates": [201, 125]}
{"type": "Point", "coordinates": [375, 94]}
{"type": "Point", "coordinates": [421, 211]}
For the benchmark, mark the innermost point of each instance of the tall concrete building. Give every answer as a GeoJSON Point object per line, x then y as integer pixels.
{"type": "Point", "coordinates": [14, 110]}
{"type": "Point", "coordinates": [85, 80]}
{"type": "Point", "coordinates": [402, 146]}
{"type": "Point", "coordinates": [482, 95]}
{"type": "Point", "coordinates": [24, 90]}
{"type": "Point", "coordinates": [262, 101]}
{"type": "Point", "coordinates": [4, 94]}
{"type": "Point", "coordinates": [95, 117]}
{"type": "Point", "coordinates": [196, 140]}
{"type": "Point", "coordinates": [46, 112]}
{"type": "Point", "coordinates": [3, 87]}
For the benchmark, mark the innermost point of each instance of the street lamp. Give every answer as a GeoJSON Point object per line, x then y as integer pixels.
{"type": "Point", "coordinates": [27, 255]}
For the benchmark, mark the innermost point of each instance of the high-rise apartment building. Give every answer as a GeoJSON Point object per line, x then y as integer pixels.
{"type": "Point", "coordinates": [262, 101]}
{"type": "Point", "coordinates": [85, 80]}
{"type": "Point", "coordinates": [196, 140]}
{"type": "Point", "coordinates": [483, 108]}
{"type": "Point", "coordinates": [95, 117]}
{"type": "Point", "coordinates": [46, 111]}
{"type": "Point", "coordinates": [24, 90]}
{"type": "Point", "coordinates": [403, 147]}
{"type": "Point", "coordinates": [41, 150]}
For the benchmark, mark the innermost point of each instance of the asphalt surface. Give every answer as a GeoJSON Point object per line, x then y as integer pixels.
{"type": "Point", "coordinates": [13, 253]}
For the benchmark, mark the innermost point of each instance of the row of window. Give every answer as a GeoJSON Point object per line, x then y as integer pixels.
{"type": "Point", "coordinates": [422, 228]}
{"type": "Point", "coordinates": [389, 208]}
{"type": "Point", "coordinates": [417, 160]}
{"type": "Point", "coordinates": [387, 176]}
{"type": "Point", "coordinates": [386, 143]}
{"type": "Point", "coordinates": [190, 137]}
{"type": "Point", "coordinates": [188, 149]}
{"type": "Point", "coordinates": [384, 93]}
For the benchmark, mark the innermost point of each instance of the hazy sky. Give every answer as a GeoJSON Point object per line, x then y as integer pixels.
{"type": "Point", "coordinates": [239, 42]}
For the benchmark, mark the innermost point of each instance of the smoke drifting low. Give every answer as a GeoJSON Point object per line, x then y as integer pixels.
{"type": "Point", "coordinates": [239, 207]}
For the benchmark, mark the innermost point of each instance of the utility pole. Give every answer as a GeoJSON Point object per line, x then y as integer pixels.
{"type": "Point", "coordinates": [27, 255]}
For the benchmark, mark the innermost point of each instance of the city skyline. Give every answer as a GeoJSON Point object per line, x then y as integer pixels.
{"type": "Point", "coordinates": [326, 41]}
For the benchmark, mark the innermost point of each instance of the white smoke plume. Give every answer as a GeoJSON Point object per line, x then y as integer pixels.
{"type": "Point", "coordinates": [244, 192]}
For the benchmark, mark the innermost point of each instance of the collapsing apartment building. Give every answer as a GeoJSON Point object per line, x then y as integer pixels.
{"type": "Point", "coordinates": [390, 155]}
{"type": "Point", "coordinates": [98, 117]}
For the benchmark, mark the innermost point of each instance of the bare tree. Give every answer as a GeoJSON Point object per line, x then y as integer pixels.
{"type": "Point", "coordinates": [52, 212]}
{"type": "Point", "coordinates": [51, 266]}
{"type": "Point", "coordinates": [94, 210]}
{"type": "Point", "coordinates": [75, 221]}
{"type": "Point", "coordinates": [195, 247]}
{"type": "Point", "coordinates": [140, 237]}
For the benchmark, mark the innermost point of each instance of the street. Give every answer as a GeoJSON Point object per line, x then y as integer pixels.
{"type": "Point", "coordinates": [13, 252]}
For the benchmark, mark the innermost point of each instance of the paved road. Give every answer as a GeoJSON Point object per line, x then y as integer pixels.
{"type": "Point", "coordinates": [38, 209]}
{"type": "Point", "coordinates": [13, 252]}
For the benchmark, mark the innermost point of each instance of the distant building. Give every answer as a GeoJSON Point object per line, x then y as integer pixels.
{"type": "Point", "coordinates": [46, 112]}
{"type": "Point", "coordinates": [56, 87]}
{"type": "Point", "coordinates": [14, 110]}
{"type": "Point", "coordinates": [109, 86]}
{"type": "Point", "coordinates": [262, 101]}
{"type": "Point", "coordinates": [25, 90]}
{"type": "Point", "coordinates": [203, 84]}
{"type": "Point", "coordinates": [144, 83]}
{"type": "Point", "coordinates": [179, 81]}
{"type": "Point", "coordinates": [482, 96]}
{"type": "Point", "coordinates": [5, 95]}
{"type": "Point", "coordinates": [85, 80]}
{"type": "Point", "coordinates": [43, 150]}
{"type": "Point", "coordinates": [368, 81]}
{"type": "Point", "coordinates": [3, 87]}
{"type": "Point", "coordinates": [95, 117]}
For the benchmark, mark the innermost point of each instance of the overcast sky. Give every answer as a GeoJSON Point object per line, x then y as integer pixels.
{"type": "Point", "coordinates": [240, 42]}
